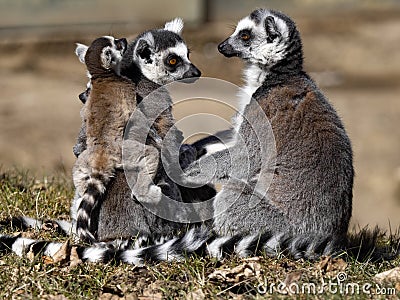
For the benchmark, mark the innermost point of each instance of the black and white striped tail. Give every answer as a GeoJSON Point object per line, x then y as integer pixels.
{"type": "Point", "coordinates": [23, 223]}
{"type": "Point", "coordinates": [200, 241]}
{"type": "Point", "coordinates": [94, 190]}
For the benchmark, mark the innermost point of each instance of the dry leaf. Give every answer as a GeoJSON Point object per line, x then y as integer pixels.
{"type": "Point", "coordinates": [61, 256]}
{"type": "Point", "coordinates": [196, 295]}
{"type": "Point", "coordinates": [292, 277]}
{"type": "Point", "coordinates": [54, 297]}
{"type": "Point", "coordinates": [49, 226]}
{"type": "Point", "coordinates": [47, 260]}
{"type": "Point", "coordinates": [30, 255]}
{"type": "Point", "coordinates": [390, 275]}
{"type": "Point", "coordinates": [234, 296]}
{"type": "Point", "coordinates": [151, 293]}
{"type": "Point", "coordinates": [131, 297]}
{"type": "Point", "coordinates": [237, 274]}
{"type": "Point", "coordinates": [27, 234]}
{"type": "Point", "coordinates": [254, 258]}
{"type": "Point", "coordinates": [64, 255]}
{"type": "Point", "coordinates": [331, 266]}
{"type": "Point", "coordinates": [74, 258]}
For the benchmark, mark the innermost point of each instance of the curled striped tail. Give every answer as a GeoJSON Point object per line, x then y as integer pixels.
{"type": "Point", "coordinates": [94, 191]}
{"type": "Point", "coordinates": [202, 242]}
{"type": "Point", "coordinates": [132, 251]}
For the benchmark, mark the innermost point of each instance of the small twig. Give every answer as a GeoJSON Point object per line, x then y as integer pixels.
{"type": "Point", "coordinates": [231, 287]}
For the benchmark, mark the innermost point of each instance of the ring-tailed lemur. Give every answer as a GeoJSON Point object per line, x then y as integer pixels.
{"type": "Point", "coordinates": [111, 101]}
{"type": "Point", "coordinates": [310, 195]}
{"type": "Point", "coordinates": [115, 213]}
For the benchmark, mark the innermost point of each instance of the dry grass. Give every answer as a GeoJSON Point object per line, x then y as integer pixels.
{"type": "Point", "coordinates": [194, 278]}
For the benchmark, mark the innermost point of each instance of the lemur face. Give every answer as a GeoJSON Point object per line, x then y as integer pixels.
{"type": "Point", "coordinates": [85, 95]}
{"type": "Point", "coordinates": [104, 54]}
{"type": "Point", "coordinates": [163, 56]}
{"type": "Point", "coordinates": [260, 38]}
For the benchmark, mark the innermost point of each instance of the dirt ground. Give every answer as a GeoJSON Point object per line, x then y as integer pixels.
{"type": "Point", "coordinates": [354, 57]}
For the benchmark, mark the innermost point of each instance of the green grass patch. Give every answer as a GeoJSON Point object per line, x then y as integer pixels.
{"type": "Point", "coordinates": [194, 278]}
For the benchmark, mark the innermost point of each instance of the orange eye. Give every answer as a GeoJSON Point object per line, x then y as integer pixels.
{"type": "Point", "coordinates": [172, 61]}
{"type": "Point", "coordinates": [245, 36]}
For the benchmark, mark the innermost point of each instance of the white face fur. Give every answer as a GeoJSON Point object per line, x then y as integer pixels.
{"type": "Point", "coordinates": [164, 63]}
{"type": "Point", "coordinates": [166, 66]}
{"type": "Point", "coordinates": [264, 46]}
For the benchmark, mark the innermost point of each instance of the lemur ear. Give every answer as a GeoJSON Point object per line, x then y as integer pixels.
{"type": "Point", "coordinates": [106, 58]}
{"type": "Point", "coordinates": [176, 25]}
{"type": "Point", "coordinates": [271, 28]}
{"type": "Point", "coordinates": [144, 48]}
{"type": "Point", "coordinates": [80, 51]}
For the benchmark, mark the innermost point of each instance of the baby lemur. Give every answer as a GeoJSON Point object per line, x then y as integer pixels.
{"type": "Point", "coordinates": [106, 113]}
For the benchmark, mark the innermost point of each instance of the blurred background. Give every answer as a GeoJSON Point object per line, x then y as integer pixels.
{"type": "Point", "coordinates": [352, 49]}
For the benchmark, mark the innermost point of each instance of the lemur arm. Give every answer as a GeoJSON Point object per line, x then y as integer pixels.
{"type": "Point", "coordinates": [213, 143]}
{"type": "Point", "coordinates": [80, 145]}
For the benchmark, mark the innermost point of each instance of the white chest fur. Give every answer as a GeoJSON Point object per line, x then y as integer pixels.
{"type": "Point", "coordinates": [253, 77]}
